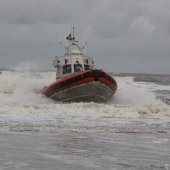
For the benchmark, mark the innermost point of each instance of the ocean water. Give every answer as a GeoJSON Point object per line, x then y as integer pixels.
{"type": "Point", "coordinates": [131, 131]}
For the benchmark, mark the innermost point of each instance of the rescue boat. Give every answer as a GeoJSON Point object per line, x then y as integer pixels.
{"type": "Point", "coordinates": [76, 78]}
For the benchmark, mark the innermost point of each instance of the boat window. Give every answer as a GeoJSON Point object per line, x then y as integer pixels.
{"type": "Point", "coordinates": [86, 67]}
{"type": "Point", "coordinates": [58, 70]}
{"type": "Point", "coordinates": [78, 68]}
{"type": "Point", "coordinates": [66, 60]}
{"type": "Point", "coordinates": [86, 61]}
{"type": "Point", "coordinates": [67, 69]}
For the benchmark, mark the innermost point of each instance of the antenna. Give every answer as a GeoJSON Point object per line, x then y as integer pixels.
{"type": "Point", "coordinates": [60, 37]}
{"type": "Point", "coordinates": [60, 50]}
{"type": "Point", "coordinates": [86, 38]}
{"type": "Point", "coordinates": [84, 42]}
{"type": "Point", "coordinates": [73, 27]}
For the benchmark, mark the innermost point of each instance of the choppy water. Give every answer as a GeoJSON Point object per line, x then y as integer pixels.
{"type": "Point", "coordinates": [131, 131]}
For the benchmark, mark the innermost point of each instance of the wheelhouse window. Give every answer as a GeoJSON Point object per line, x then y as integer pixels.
{"type": "Point", "coordinates": [78, 68]}
{"type": "Point", "coordinates": [67, 69]}
{"type": "Point", "coordinates": [86, 67]}
{"type": "Point", "coordinates": [59, 70]}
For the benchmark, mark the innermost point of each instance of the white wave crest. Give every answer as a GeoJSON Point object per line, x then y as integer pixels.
{"type": "Point", "coordinates": [18, 96]}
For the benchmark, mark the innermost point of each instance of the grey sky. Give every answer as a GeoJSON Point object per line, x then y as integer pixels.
{"type": "Point", "coordinates": [123, 35]}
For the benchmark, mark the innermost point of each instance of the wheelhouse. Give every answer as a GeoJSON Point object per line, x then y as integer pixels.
{"type": "Point", "coordinates": [73, 61]}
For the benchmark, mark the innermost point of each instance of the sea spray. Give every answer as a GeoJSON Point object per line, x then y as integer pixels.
{"type": "Point", "coordinates": [134, 108]}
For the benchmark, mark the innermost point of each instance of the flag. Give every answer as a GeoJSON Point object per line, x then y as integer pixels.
{"type": "Point", "coordinates": [69, 37]}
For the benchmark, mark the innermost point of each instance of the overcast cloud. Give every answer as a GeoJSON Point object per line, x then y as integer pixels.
{"type": "Point", "coordinates": [123, 35]}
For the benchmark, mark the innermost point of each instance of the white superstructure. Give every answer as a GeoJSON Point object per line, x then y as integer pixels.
{"type": "Point", "coordinates": [74, 60]}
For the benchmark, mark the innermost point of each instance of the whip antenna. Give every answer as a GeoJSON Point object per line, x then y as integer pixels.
{"type": "Point", "coordinates": [73, 34]}
{"type": "Point", "coordinates": [86, 37]}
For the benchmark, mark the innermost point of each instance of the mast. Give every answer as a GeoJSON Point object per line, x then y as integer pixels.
{"type": "Point", "coordinates": [73, 27]}
{"type": "Point", "coordinates": [72, 41]}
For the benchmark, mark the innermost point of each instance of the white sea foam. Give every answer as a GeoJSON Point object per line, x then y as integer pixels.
{"type": "Point", "coordinates": [21, 87]}
{"type": "Point", "coordinates": [134, 93]}
{"type": "Point", "coordinates": [22, 108]}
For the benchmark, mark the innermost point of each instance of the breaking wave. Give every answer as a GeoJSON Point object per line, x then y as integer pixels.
{"type": "Point", "coordinates": [133, 108]}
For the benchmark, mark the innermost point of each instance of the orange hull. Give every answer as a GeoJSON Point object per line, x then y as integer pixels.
{"type": "Point", "coordinates": [97, 78]}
